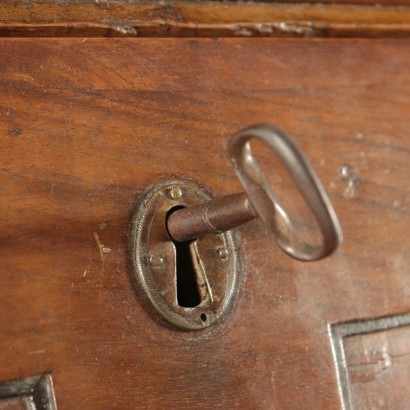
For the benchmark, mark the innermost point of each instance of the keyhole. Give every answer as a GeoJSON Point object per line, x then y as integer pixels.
{"type": "Point", "coordinates": [187, 285]}
{"type": "Point", "coordinates": [188, 294]}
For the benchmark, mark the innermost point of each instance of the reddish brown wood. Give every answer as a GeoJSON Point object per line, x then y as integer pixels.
{"type": "Point", "coordinates": [379, 364]}
{"type": "Point", "coordinates": [356, 2]}
{"type": "Point", "coordinates": [87, 124]}
{"type": "Point", "coordinates": [85, 18]}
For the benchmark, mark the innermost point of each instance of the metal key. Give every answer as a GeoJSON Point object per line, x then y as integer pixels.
{"type": "Point", "coordinates": [227, 212]}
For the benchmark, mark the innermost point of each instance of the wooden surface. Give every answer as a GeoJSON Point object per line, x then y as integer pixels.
{"type": "Point", "coordinates": [18, 403]}
{"type": "Point", "coordinates": [87, 124]}
{"type": "Point", "coordinates": [356, 2]}
{"type": "Point", "coordinates": [86, 18]}
{"type": "Point", "coordinates": [378, 364]}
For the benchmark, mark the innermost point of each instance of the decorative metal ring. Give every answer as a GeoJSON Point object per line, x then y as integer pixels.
{"type": "Point", "coordinates": [266, 205]}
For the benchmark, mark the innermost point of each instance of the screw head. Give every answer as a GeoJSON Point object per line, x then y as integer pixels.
{"type": "Point", "coordinates": [176, 193]}
{"type": "Point", "coordinates": [156, 260]}
{"type": "Point", "coordinates": [222, 253]}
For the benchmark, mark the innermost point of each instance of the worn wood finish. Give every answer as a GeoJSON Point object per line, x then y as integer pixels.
{"type": "Point", "coordinates": [18, 403]}
{"type": "Point", "coordinates": [87, 125]}
{"type": "Point", "coordinates": [378, 364]}
{"type": "Point", "coordinates": [356, 2]}
{"type": "Point", "coordinates": [196, 19]}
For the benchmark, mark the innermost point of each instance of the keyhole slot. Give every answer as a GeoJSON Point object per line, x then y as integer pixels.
{"type": "Point", "coordinates": [187, 284]}
{"type": "Point", "coordinates": [187, 275]}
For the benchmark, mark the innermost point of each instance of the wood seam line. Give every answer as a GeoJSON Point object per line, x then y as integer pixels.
{"type": "Point", "coordinates": [179, 19]}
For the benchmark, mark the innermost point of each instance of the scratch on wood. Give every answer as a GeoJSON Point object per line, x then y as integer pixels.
{"type": "Point", "coordinates": [101, 247]}
{"type": "Point", "coordinates": [267, 29]}
{"type": "Point", "coordinates": [14, 132]}
{"type": "Point", "coordinates": [378, 362]}
{"type": "Point", "coordinates": [305, 29]}
{"type": "Point", "coordinates": [348, 174]}
{"type": "Point", "coordinates": [122, 28]}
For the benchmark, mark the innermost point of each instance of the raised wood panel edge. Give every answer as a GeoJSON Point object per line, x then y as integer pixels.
{"type": "Point", "coordinates": [39, 388]}
{"type": "Point", "coordinates": [339, 331]}
{"type": "Point", "coordinates": [102, 18]}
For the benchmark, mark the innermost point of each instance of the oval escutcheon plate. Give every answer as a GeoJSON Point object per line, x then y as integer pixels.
{"type": "Point", "coordinates": [192, 284]}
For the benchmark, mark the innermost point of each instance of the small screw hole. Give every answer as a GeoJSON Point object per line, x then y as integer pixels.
{"type": "Point", "coordinates": [204, 317]}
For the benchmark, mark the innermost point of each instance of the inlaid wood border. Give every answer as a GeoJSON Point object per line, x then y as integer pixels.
{"type": "Point", "coordinates": [338, 332]}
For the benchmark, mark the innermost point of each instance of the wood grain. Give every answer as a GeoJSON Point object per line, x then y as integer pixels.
{"type": "Point", "coordinates": [379, 364]}
{"type": "Point", "coordinates": [356, 2]}
{"type": "Point", "coordinates": [86, 18]}
{"type": "Point", "coordinates": [87, 125]}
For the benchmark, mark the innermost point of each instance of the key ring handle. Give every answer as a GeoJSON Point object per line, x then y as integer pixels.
{"type": "Point", "coordinates": [267, 206]}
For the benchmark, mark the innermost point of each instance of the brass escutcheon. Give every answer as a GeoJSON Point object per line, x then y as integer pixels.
{"type": "Point", "coordinates": [154, 256]}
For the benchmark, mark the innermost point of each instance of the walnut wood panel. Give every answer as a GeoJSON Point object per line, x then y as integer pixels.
{"type": "Point", "coordinates": [379, 364]}
{"type": "Point", "coordinates": [85, 126]}
{"type": "Point", "coordinates": [200, 19]}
